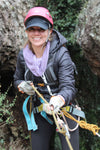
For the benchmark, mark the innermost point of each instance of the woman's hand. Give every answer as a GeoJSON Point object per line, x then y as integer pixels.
{"type": "Point", "coordinates": [25, 87]}
{"type": "Point", "coordinates": [56, 102]}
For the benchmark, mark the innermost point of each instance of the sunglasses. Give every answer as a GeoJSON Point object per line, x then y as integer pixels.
{"type": "Point", "coordinates": [31, 29]}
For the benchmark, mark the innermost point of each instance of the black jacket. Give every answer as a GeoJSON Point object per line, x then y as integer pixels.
{"type": "Point", "coordinates": [59, 72]}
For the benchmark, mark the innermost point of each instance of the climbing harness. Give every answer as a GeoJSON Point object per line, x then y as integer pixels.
{"type": "Point", "coordinates": [48, 87]}
{"type": "Point", "coordinates": [70, 109]}
{"type": "Point", "coordinates": [30, 119]}
{"type": "Point", "coordinates": [61, 130]}
{"type": "Point", "coordinates": [61, 125]}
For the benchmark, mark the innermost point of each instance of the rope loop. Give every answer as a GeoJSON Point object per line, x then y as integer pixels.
{"type": "Point", "coordinates": [83, 124]}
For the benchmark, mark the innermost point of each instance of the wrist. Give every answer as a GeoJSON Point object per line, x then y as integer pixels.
{"type": "Point", "coordinates": [62, 99]}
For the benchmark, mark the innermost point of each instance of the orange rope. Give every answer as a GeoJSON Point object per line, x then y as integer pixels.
{"type": "Point", "coordinates": [83, 124]}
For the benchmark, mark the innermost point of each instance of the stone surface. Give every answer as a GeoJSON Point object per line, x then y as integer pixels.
{"type": "Point", "coordinates": [88, 34]}
{"type": "Point", "coordinates": [12, 35]}
{"type": "Point", "coordinates": [12, 39]}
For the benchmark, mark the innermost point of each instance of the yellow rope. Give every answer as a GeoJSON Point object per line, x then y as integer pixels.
{"type": "Point", "coordinates": [83, 124]}
{"type": "Point", "coordinates": [55, 119]}
{"type": "Point", "coordinates": [40, 95]}
{"type": "Point", "coordinates": [62, 131]}
{"type": "Point", "coordinates": [69, 144]}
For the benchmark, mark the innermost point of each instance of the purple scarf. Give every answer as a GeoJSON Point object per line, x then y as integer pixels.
{"type": "Point", "coordinates": [36, 65]}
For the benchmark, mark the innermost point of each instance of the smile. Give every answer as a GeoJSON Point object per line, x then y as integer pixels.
{"type": "Point", "coordinates": [36, 38]}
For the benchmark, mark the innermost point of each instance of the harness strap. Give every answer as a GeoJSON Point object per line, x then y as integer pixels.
{"type": "Point", "coordinates": [30, 120]}
{"type": "Point", "coordinates": [74, 111]}
{"type": "Point", "coordinates": [69, 109]}
{"type": "Point", "coordinates": [43, 113]}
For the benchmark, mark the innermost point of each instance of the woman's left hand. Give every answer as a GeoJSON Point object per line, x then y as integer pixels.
{"type": "Point", "coordinates": [56, 102]}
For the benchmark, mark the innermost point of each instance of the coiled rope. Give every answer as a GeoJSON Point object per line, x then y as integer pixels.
{"type": "Point", "coordinates": [83, 124]}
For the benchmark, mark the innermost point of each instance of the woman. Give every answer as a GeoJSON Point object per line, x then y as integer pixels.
{"type": "Point", "coordinates": [46, 63]}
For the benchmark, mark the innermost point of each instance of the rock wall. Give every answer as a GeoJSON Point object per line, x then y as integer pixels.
{"type": "Point", "coordinates": [88, 34]}
{"type": "Point", "coordinates": [12, 35]}
{"type": "Point", "coordinates": [12, 39]}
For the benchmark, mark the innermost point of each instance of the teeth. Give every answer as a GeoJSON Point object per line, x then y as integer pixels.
{"type": "Point", "coordinates": [36, 38]}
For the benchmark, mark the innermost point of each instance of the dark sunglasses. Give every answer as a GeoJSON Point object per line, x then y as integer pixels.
{"type": "Point", "coordinates": [31, 29]}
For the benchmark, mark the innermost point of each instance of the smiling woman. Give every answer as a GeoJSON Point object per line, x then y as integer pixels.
{"type": "Point", "coordinates": [38, 28]}
{"type": "Point", "coordinates": [47, 64]}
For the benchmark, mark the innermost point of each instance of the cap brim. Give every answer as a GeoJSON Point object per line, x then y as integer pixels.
{"type": "Point", "coordinates": [37, 25]}
{"type": "Point", "coordinates": [37, 22]}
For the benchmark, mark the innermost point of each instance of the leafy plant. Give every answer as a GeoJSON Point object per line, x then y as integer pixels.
{"type": "Point", "coordinates": [5, 108]}
{"type": "Point", "coordinates": [64, 14]}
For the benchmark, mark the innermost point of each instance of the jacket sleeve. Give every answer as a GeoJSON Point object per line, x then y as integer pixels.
{"type": "Point", "coordinates": [20, 69]}
{"type": "Point", "coordinates": [66, 75]}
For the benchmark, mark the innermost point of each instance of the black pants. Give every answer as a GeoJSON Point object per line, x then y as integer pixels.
{"type": "Point", "coordinates": [42, 137]}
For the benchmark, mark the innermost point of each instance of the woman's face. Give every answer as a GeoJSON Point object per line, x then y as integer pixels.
{"type": "Point", "coordinates": [37, 36]}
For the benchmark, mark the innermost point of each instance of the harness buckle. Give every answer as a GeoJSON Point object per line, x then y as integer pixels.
{"type": "Point", "coordinates": [35, 110]}
{"type": "Point", "coordinates": [71, 109]}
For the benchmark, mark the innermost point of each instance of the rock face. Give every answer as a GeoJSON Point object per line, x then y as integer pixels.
{"type": "Point", "coordinates": [88, 34]}
{"type": "Point", "coordinates": [12, 35]}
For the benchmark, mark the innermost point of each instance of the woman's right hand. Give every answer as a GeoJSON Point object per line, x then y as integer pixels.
{"type": "Point", "coordinates": [25, 87]}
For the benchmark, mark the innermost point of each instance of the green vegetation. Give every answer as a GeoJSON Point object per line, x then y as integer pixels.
{"type": "Point", "coordinates": [5, 108]}
{"type": "Point", "coordinates": [6, 112]}
{"type": "Point", "coordinates": [88, 98]}
{"type": "Point", "coordinates": [65, 14]}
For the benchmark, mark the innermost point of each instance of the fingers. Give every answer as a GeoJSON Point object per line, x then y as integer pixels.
{"type": "Point", "coordinates": [47, 108]}
{"type": "Point", "coordinates": [31, 83]}
{"type": "Point", "coordinates": [51, 107]}
{"type": "Point", "coordinates": [26, 87]}
{"type": "Point", "coordinates": [20, 90]}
